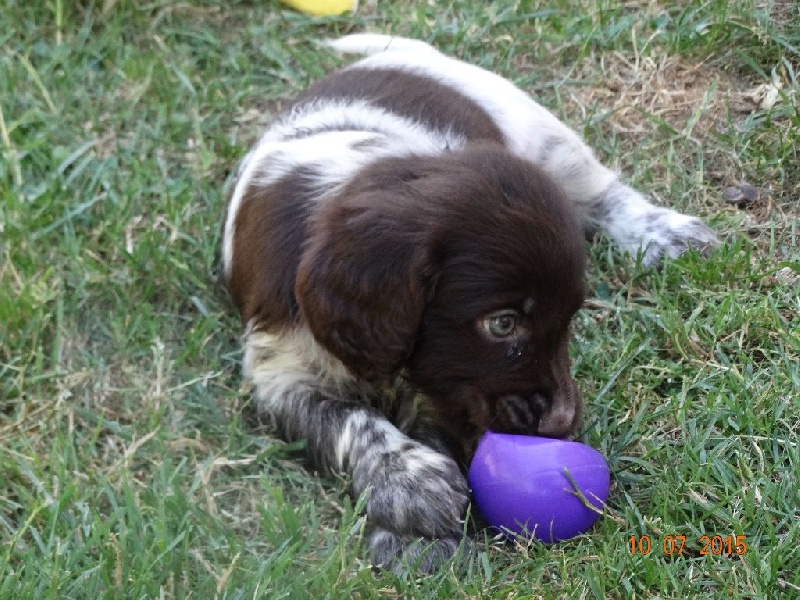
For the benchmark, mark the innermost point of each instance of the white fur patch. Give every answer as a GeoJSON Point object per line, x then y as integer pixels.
{"type": "Point", "coordinates": [268, 356]}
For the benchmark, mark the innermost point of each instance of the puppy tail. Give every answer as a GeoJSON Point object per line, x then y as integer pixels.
{"type": "Point", "coordinates": [375, 43]}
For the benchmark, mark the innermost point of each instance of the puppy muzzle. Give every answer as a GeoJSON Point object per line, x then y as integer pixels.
{"type": "Point", "coordinates": [537, 414]}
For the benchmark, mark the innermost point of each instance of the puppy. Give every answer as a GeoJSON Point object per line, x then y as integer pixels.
{"type": "Point", "coordinates": [405, 245]}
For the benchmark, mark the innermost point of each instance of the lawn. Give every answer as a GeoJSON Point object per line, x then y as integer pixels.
{"type": "Point", "coordinates": [129, 467]}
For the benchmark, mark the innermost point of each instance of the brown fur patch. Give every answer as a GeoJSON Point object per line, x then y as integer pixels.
{"type": "Point", "coordinates": [409, 95]}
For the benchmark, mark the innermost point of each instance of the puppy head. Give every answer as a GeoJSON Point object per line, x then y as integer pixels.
{"type": "Point", "coordinates": [463, 273]}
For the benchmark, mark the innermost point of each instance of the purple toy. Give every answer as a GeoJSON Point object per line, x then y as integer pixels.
{"type": "Point", "coordinates": [519, 485]}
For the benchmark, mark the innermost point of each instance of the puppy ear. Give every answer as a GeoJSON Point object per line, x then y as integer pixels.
{"type": "Point", "coordinates": [363, 282]}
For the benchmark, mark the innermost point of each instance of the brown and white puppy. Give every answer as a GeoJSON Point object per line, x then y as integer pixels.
{"type": "Point", "coordinates": [405, 246]}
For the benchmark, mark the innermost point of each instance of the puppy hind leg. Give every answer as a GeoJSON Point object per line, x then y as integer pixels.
{"type": "Point", "coordinates": [637, 225]}
{"type": "Point", "coordinates": [603, 202]}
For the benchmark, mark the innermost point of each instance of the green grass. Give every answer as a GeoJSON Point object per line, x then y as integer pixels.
{"type": "Point", "coordinates": [126, 467]}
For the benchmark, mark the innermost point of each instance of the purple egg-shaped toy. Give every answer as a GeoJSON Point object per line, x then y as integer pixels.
{"type": "Point", "coordinates": [520, 486]}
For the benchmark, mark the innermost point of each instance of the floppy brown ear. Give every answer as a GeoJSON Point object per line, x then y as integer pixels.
{"type": "Point", "coordinates": [363, 282]}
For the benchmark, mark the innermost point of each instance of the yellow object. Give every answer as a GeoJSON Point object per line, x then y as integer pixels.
{"type": "Point", "coordinates": [323, 8]}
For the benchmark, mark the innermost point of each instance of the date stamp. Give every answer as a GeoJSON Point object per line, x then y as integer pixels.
{"type": "Point", "coordinates": [674, 545]}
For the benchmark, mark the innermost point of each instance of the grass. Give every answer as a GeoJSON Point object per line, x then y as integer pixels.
{"type": "Point", "coordinates": [126, 467]}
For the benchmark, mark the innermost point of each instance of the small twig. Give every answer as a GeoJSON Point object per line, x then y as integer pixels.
{"type": "Point", "coordinates": [577, 492]}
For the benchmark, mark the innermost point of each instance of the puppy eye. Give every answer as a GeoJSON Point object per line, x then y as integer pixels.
{"type": "Point", "coordinates": [501, 324]}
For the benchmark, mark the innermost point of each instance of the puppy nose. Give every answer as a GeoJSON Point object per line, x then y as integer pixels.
{"type": "Point", "coordinates": [559, 422]}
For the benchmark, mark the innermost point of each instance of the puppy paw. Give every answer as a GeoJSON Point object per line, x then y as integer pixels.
{"type": "Point", "coordinates": [413, 491]}
{"type": "Point", "coordinates": [422, 555]}
{"type": "Point", "coordinates": [637, 225]}
{"type": "Point", "coordinates": [667, 233]}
